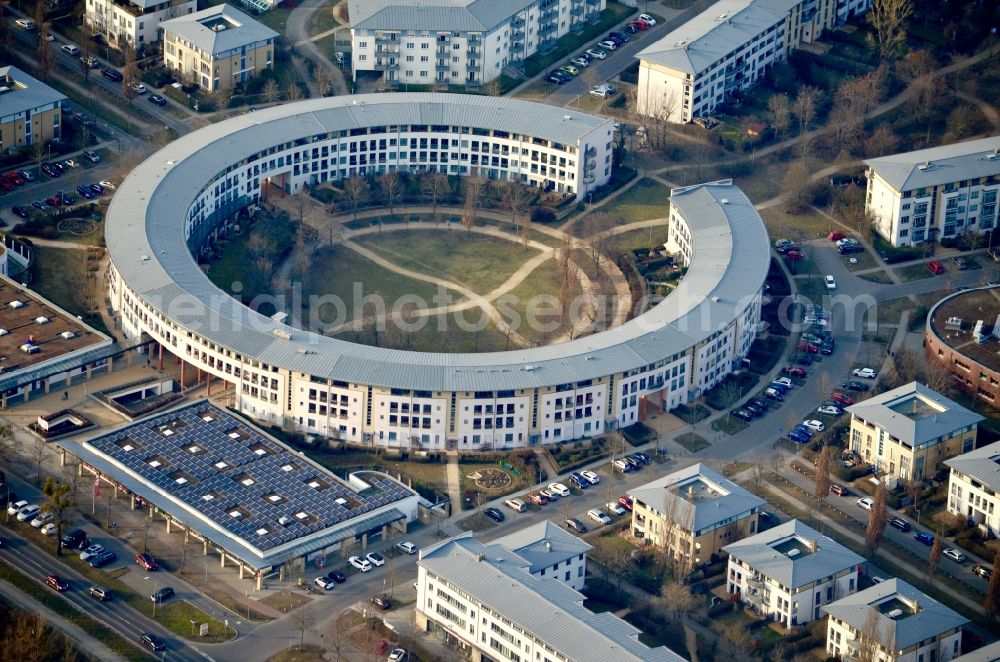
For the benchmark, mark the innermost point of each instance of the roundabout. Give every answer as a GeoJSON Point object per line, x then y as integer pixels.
{"type": "Point", "coordinates": [175, 206]}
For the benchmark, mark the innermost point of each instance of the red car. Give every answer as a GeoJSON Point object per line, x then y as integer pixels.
{"type": "Point", "coordinates": [14, 178]}
{"type": "Point", "coordinates": [640, 25]}
{"type": "Point", "coordinates": [537, 499]}
{"type": "Point", "coordinates": [935, 268]}
{"type": "Point", "coordinates": [146, 561]}
{"type": "Point", "coordinates": [794, 371]}
{"type": "Point", "coordinates": [625, 502]}
{"type": "Point", "coordinates": [836, 235]}
{"type": "Point", "coordinates": [793, 255]}
{"type": "Point", "coordinates": [842, 398]}
{"type": "Point", "coordinates": [54, 201]}
{"type": "Point", "coordinates": [807, 347]}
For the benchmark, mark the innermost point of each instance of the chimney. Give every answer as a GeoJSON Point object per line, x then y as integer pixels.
{"type": "Point", "coordinates": [480, 557]}
{"type": "Point", "coordinates": [548, 546]}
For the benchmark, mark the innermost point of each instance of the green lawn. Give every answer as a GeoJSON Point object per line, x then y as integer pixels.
{"type": "Point", "coordinates": [913, 272]}
{"type": "Point", "coordinates": [478, 262]}
{"type": "Point", "coordinates": [276, 19]}
{"type": "Point", "coordinates": [639, 238]}
{"type": "Point", "coordinates": [539, 287]}
{"type": "Point", "coordinates": [644, 200]}
{"type": "Point", "coordinates": [177, 617]}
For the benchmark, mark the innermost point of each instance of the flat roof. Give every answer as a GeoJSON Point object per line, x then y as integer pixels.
{"type": "Point", "coordinates": [970, 306]}
{"type": "Point", "coordinates": [249, 487]}
{"type": "Point", "coordinates": [714, 33]}
{"type": "Point", "coordinates": [944, 164]}
{"type": "Point", "coordinates": [33, 330]}
{"type": "Point", "coordinates": [24, 93]}
{"type": "Point", "coordinates": [146, 240]}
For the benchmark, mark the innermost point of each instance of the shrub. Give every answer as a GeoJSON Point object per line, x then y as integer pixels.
{"type": "Point", "coordinates": [158, 77]}
{"type": "Point", "coordinates": [543, 215]}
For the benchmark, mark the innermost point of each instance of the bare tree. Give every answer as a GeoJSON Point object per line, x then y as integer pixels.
{"type": "Point", "coordinates": [59, 498]}
{"type": "Point", "coordinates": [823, 482]}
{"type": "Point", "coordinates": [356, 191]}
{"type": "Point", "coordinates": [474, 184]}
{"type": "Point", "coordinates": [321, 79]}
{"type": "Point", "coordinates": [889, 18]}
{"type": "Point", "coordinates": [435, 185]}
{"type": "Point", "coordinates": [391, 185]}
{"type": "Point", "coordinates": [804, 110]}
{"type": "Point", "coordinates": [303, 621]}
{"type": "Point", "coordinates": [595, 227]}
{"type": "Point", "coordinates": [779, 113]}
{"type": "Point", "coordinates": [876, 519]}
{"type": "Point", "coordinates": [46, 58]}
{"type": "Point", "coordinates": [796, 186]}
{"type": "Point", "coordinates": [677, 543]}
{"type": "Point", "coordinates": [871, 638]}
{"type": "Point", "coordinates": [293, 92]}
{"type": "Point", "coordinates": [516, 196]}
{"type": "Point", "coordinates": [130, 75]}
{"type": "Point", "coordinates": [935, 556]}
{"type": "Point", "coordinates": [882, 141]}
{"type": "Point", "coordinates": [271, 91]}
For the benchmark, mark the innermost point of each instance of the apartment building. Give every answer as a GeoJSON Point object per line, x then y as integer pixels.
{"type": "Point", "coordinates": [458, 42]}
{"type": "Point", "coordinates": [694, 513]}
{"type": "Point", "coordinates": [893, 622]}
{"type": "Point", "coordinates": [484, 600]}
{"type": "Point", "coordinates": [30, 110]}
{"type": "Point", "coordinates": [936, 193]}
{"type": "Point", "coordinates": [728, 48]}
{"type": "Point", "coordinates": [218, 48]}
{"type": "Point", "coordinates": [790, 572]}
{"type": "Point", "coordinates": [910, 431]}
{"type": "Point", "coordinates": [133, 22]}
{"type": "Point", "coordinates": [552, 551]}
{"type": "Point", "coordinates": [973, 487]}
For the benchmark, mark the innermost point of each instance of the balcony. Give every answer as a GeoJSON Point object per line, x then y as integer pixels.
{"type": "Point", "coordinates": [546, 30]}
{"type": "Point", "coordinates": [576, 10]}
{"type": "Point", "coordinates": [517, 35]}
{"type": "Point", "coordinates": [591, 152]}
{"type": "Point", "coordinates": [441, 66]}
{"type": "Point", "coordinates": [443, 50]}
{"type": "Point", "coordinates": [588, 178]}
{"type": "Point", "coordinates": [517, 22]}
{"type": "Point", "coordinates": [473, 67]}
{"type": "Point", "coordinates": [386, 66]}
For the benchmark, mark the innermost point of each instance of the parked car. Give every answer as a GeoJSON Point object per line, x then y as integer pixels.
{"type": "Point", "coordinates": [794, 371]}
{"type": "Point", "coordinates": [557, 78]}
{"type": "Point", "coordinates": [580, 62]}
{"type": "Point", "coordinates": [516, 505]}
{"type": "Point", "coordinates": [537, 499]}
{"type": "Point", "coordinates": [375, 559]}
{"type": "Point", "coordinates": [28, 513]}
{"type": "Point", "coordinates": [336, 576]}
{"type": "Point", "coordinates": [398, 655]}
{"type": "Point", "coordinates": [841, 398]}
{"type": "Point", "coordinates": [774, 394]}
{"type": "Point", "coordinates": [152, 642]}
{"type": "Point", "coordinates": [90, 61]}
{"type": "Point", "coordinates": [560, 489]}
{"type": "Point", "coordinates": [596, 53]}
{"type": "Point", "coordinates": [860, 387]}
{"type": "Point", "coordinates": [146, 561]}
{"type": "Point", "coordinates": [826, 347]}
{"type": "Point", "coordinates": [598, 516]}
{"type": "Point", "coordinates": [494, 514]}
{"type": "Point", "coordinates": [603, 91]}
{"type": "Point", "coordinates": [848, 249]}
{"type": "Point", "coordinates": [867, 373]}
{"type": "Point", "coordinates": [959, 264]}
{"type": "Point", "coordinates": [137, 87]}
{"type": "Point", "coordinates": [836, 235]}
{"type": "Point", "coordinates": [591, 476]}
{"type": "Point", "coordinates": [112, 74]}
{"type": "Point", "coordinates": [97, 189]}
{"type": "Point", "coordinates": [406, 547]}
{"type": "Point", "coordinates": [899, 523]}
{"type": "Point", "coordinates": [102, 559]}
{"type": "Point", "coordinates": [615, 508]}
{"type": "Point", "coordinates": [92, 156]}
{"type": "Point", "coordinates": [162, 595]}
{"type": "Point", "coordinates": [324, 583]}
{"type": "Point", "coordinates": [618, 35]}
{"type": "Point", "coordinates": [107, 185]}
{"type": "Point", "coordinates": [576, 525]}
{"type": "Point", "coordinates": [924, 537]}
{"type": "Point", "coordinates": [955, 555]}
{"type": "Point", "coordinates": [57, 583]}
{"type": "Point", "coordinates": [865, 503]}
{"type": "Point", "coordinates": [831, 284]}
{"type": "Point", "coordinates": [982, 571]}
{"type": "Point", "coordinates": [647, 19]}
{"type": "Point", "coordinates": [22, 212]}
{"type": "Point", "coordinates": [579, 481]}
{"type": "Point", "coordinates": [813, 424]}
{"type": "Point", "coordinates": [935, 268]}
{"type": "Point", "coordinates": [798, 437]}
{"type": "Point", "coordinates": [839, 490]}
{"type": "Point", "coordinates": [156, 100]}
{"type": "Point", "coordinates": [830, 410]}
{"type": "Point", "coordinates": [84, 190]}
{"type": "Point", "coordinates": [14, 508]}
{"type": "Point", "coordinates": [100, 593]}
{"type": "Point", "coordinates": [625, 502]}
{"type": "Point", "coordinates": [360, 564]}
{"type": "Point", "coordinates": [91, 551]}
{"type": "Point", "coordinates": [622, 466]}
{"type": "Point", "coordinates": [608, 44]}
{"type": "Point", "coordinates": [74, 539]}
{"type": "Point", "coordinates": [632, 28]}
{"type": "Point", "coordinates": [644, 457]}
{"type": "Point", "coordinates": [741, 414]}
{"type": "Point", "coordinates": [49, 529]}
{"type": "Point", "coordinates": [381, 602]}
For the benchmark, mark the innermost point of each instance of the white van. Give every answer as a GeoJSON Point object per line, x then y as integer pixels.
{"type": "Point", "coordinates": [25, 23]}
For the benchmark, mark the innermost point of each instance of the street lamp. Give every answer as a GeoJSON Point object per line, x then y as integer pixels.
{"type": "Point", "coordinates": [150, 579]}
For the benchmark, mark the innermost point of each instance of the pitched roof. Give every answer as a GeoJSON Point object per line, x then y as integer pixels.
{"type": "Point", "coordinates": [24, 92]}
{"type": "Point", "coordinates": [542, 606]}
{"type": "Point", "coordinates": [433, 15]}
{"type": "Point", "coordinates": [769, 554]}
{"type": "Point", "coordinates": [948, 163]}
{"type": "Point", "coordinates": [922, 616]}
{"type": "Point", "coordinates": [983, 464]}
{"type": "Point", "coordinates": [698, 496]}
{"type": "Point", "coordinates": [914, 413]}
{"type": "Point", "coordinates": [719, 30]}
{"type": "Point", "coordinates": [233, 29]}
{"type": "Point", "coordinates": [544, 544]}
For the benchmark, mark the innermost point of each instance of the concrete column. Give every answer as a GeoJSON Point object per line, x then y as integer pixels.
{"type": "Point", "coordinates": [222, 559]}
{"type": "Point", "coordinates": [25, 391]}
{"type": "Point", "coordinates": [150, 511]}
{"type": "Point", "coordinates": [260, 581]}
{"type": "Point", "coordinates": [199, 376]}
{"type": "Point", "coordinates": [204, 546]}
{"type": "Point", "coordinates": [168, 525]}
{"type": "Point", "coordinates": [79, 469]}
{"type": "Point", "coordinates": [385, 531]}
{"type": "Point", "coordinates": [47, 386]}
{"type": "Point", "coordinates": [209, 378]}
{"type": "Point", "coordinates": [242, 570]}
{"type": "Point", "coordinates": [132, 501]}
{"type": "Point", "coordinates": [3, 400]}
{"type": "Point", "coordinates": [160, 359]}
{"type": "Point", "coordinates": [62, 457]}
{"type": "Point", "coordinates": [111, 364]}
{"type": "Point", "coordinates": [90, 370]}
{"type": "Point", "coordinates": [182, 375]}
{"type": "Point", "coordinates": [364, 541]}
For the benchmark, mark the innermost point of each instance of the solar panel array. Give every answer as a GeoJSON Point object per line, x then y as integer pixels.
{"type": "Point", "coordinates": [242, 480]}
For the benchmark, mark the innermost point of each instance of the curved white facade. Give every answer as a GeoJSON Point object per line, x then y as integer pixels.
{"type": "Point", "coordinates": [175, 200]}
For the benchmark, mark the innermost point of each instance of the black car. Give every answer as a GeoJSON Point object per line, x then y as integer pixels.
{"type": "Point", "coordinates": [803, 359]}
{"type": "Point", "coordinates": [75, 539]}
{"type": "Point", "coordinates": [757, 402]}
{"type": "Point", "coordinates": [162, 595]}
{"type": "Point", "coordinates": [856, 386]}
{"type": "Point", "coordinates": [67, 199]}
{"type": "Point", "coordinates": [97, 189]}
{"type": "Point", "coordinates": [86, 191]}
{"type": "Point", "coordinates": [380, 602]}
{"type": "Point", "coordinates": [899, 523]}
{"type": "Point", "coordinates": [152, 642]}
{"type": "Point", "coordinates": [641, 457]}
{"type": "Point", "coordinates": [51, 170]}
{"type": "Point", "coordinates": [23, 212]}
{"type": "Point", "coordinates": [112, 74]}
{"type": "Point", "coordinates": [494, 514]}
{"type": "Point", "coordinates": [579, 481]}
{"type": "Point", "coordinates": [827, 346]}
{"type": "Point", "coordinates": [741, 414]}
{"type": "Point", "coordinates": [337, 576]}
{"type": "Point", "coordinates": [847, 249]}
{"type": "Point", "coordinates": [631, 29]}
{"type": "Point", "coordinates": [576, 525]}
{"type": "Point", "coordinates": [619, 36]}
{"type": "Point", "coordinates": [632, 462]}
{"type": "Point", "coordinates": [102, 559]}
{"type": "Point", "coordinates": [157, 100]}
{"type": "Point", "coordinates": [558, 77]}
{"type": "Point", "coordinates": [754, 409]}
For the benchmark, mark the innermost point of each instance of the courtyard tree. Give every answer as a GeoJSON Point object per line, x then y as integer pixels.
{"type": "Point", "coordinates": [823, 482]}
{"type": "Point", "coordinates": [356, 192]}
{"type": "Point", "coordinates": [595, 228]}
{"type": "Point", "coordinates": [321, 80]}
{"type": "Point", "coordinates": [889, 20]}
{"type": "Point", "coordinates": [516, 197]}
{"type": "Point", "coordinates": [779, 113]}
{"type": "Point", "coordinates": [293, 92]}
{"type": "Point", "coordinates": [876, 519]}
{"type": "Point", "coordinates": [676, 542]}
{"type": "Point", "coordinates": [882, 141]}
{"type": "Point", "coordinates": [435, 185]}
{"type": "Point", "coordinates": [474, 184]}
{"type": "Point", "coordinates": [58, 499]}
{"type": "Point", "coordinates": [796, 186]}
{"type": "Point", "coordinates": [271, 91]}
{"type": "Point", "coordinates": [391, 184]}
{"type": "Point", "coordinates": [804, 110]}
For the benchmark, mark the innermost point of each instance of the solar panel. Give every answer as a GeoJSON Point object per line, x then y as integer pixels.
{"type": "Point", "coordinates": [218, 465]}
